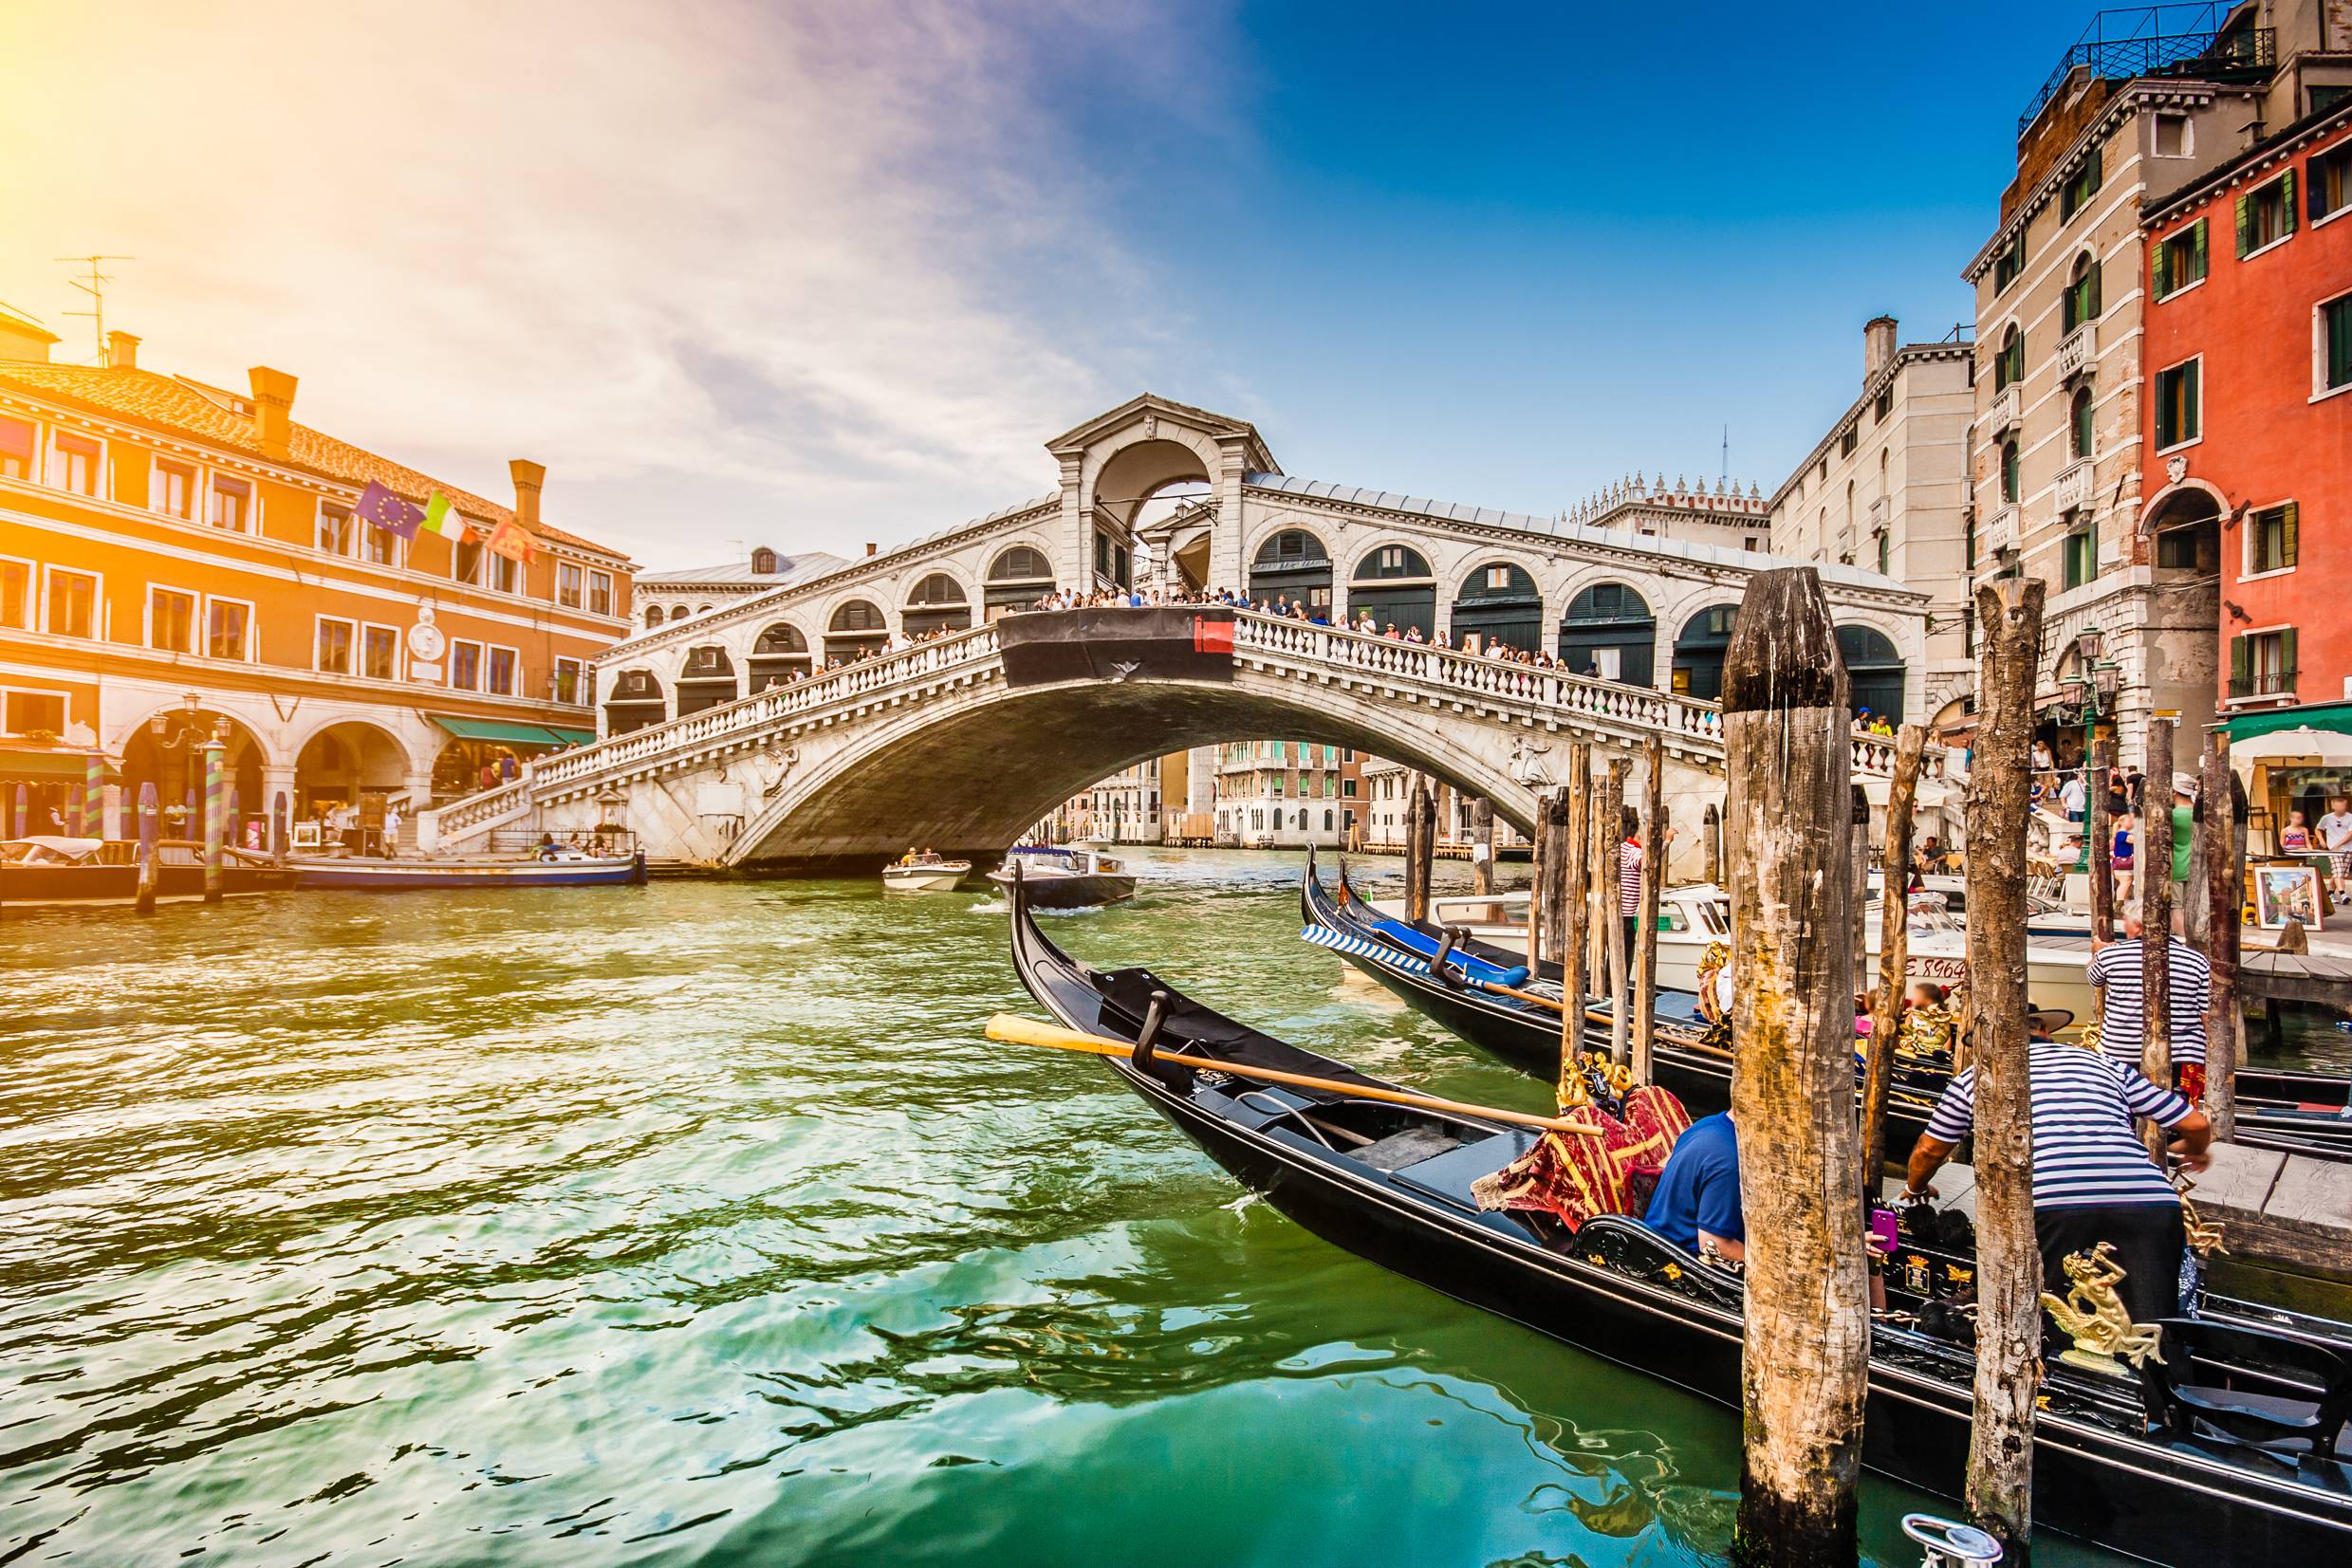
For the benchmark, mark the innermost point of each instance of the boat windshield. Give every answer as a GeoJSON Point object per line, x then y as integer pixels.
{"type": "Point", "coordinates": [47, 851]}
{"type": "Point", "coordinates": [1931, 916]}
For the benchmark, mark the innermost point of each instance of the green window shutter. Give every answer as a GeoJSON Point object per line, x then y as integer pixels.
{"type": "Point", "coordinates": [2196, 252]}
{"type": "Point", "coordinates": [2241, 667]}
{"type": "Point", "coordinates": [2092, 289]}
{"type": "Point", "coordinates": [2339, 343]}
{"type": "Point", "coordinates": [2245, 222]}
{"type": "Point", "coordinates": [2286, 535]}
{"type": "Point", "coordinates": [2287, 667]}
{"type": "Point", "coordinates": [2192, 406]}
{"type": "Point", "coordinates": [2167, 401]}
{"type": "Point", "coordinates": [2286, 202]}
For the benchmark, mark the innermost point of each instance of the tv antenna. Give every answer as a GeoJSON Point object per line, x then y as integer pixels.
{"type": "Point", "coordinates": [1723, 474]}
{"type": "Point", "coordinates": [95, 287]}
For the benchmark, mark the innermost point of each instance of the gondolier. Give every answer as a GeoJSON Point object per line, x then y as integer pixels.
{"type": "Point", "coordinates": [1629, 862]}
{"type": "Point", "coordinates": [2116, 971]}
{"type": "Point", "coordinates": [2092, 1179]}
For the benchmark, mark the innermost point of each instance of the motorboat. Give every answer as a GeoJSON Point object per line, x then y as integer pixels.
{"type": "Point", "coordinates": [551, 867]}
{"type": "Point", "coordinates": [1065, 877]}
{"type": "Point", "coordinates": [925, 873]}
{"type": "Point", "coordinates": [46, 869]}
{"type": "Point", "coordinates": [2224, 1451]}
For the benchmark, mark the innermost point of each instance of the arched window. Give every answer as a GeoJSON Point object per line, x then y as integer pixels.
{"type": "Point", "coordinates": [653, 616]}
{"type": "Point", "coordinates": [635, 702]}
{"type": "Point", "coordinates": [702, 609]}
{"type": "Point", "coordinates": [1500, 603]}
{"type": "Point", "coordinates": [858, 628]}
{"type": "Point", "coordinates": [764, 562]}
{"type": "Point", "coordinates": [706, 680]}
{"type": "Point", "coordinates": [2008, 471]}
{"type": "Point", "coordinates": [1017, 579]}
{"type": "Point", "coordinates": [935, 604]}
{"type": "Point", "coordinates": [2080, 421]}
{"type": "Point", "coordinates": [858, 615]}
{"type": "Point", "coordinates": [2081, 301]}
{"type": "Point", "coordinates": [1327, 819]}
{"type": "Point", "coordinates": [1609, 632]}
{"type": "Point", "coordinates": [680, 612]}
{"type": "Point", "coordinates": [1394, 585]}
{"type": "Point", "coordinates": [2009, 367]}
{"type": "Point", "coordinates": [780, 654]}
{"type": "Point", "coordinates": [1876, 670]}
{"type": "Point", "coordinates": [782, 638]}
{"type": "Point", "coordinates": [1293, 564]}
{"type": "Point", "coordinates": [1698, 652]}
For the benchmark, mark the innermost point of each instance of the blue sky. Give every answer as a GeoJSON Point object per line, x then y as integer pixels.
{"type": "Point", "coordinates": [822, 273]}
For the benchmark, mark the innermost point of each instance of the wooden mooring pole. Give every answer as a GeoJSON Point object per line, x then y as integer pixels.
{"type": "Point", "coordinates": [2099, 860]}
{"type": "Point", "coordinates": [1420, 848]}
{"type": "Point", "coordinates": [2154, 860]}
{"type": "Point", "coordinates": [2009, 1263]}
{"type": "Point", "coordinates": [1557, 863]}
{"type": "Point", "coordinates": [1653, 835]}
{"type": "Point", "coordinates": [1613, 911]}
{"type": "Point", "coordinates": [215, 817]}
{"type": "Point", "coordinates": [1786, 732]}
{"type": "Point", "coordinates": [1886, 1002]}
{"type": "Point", "coordinates": [1482, 845]}
{"type": "Point", "coordinates": [1857, 867]}
{"type": "Point", "coordinates": [1538, 882]}
{"type": "Point", "coordinates": [2223, 830]}
{"type": "Point", "coordinates": [1575, 838]}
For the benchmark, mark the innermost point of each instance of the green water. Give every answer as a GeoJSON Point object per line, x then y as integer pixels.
{"type": "Point", "coordinates": [697, 1223]}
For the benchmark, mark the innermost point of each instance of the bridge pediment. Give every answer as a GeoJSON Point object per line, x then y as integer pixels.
{"type": "Point", "coordinates": [1152, 417]}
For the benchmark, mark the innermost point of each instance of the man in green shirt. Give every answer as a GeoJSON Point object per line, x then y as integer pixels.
{"type": "Point", "coordinates": [2184, 823]}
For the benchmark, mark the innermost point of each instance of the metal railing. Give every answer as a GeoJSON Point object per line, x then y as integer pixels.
{"type": "Point", "coordinates": [2263, 683]}
{"type": "Point", "coordinates": [2158, 41]}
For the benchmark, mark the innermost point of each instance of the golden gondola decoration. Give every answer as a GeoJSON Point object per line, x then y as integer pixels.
{"type": "Point", "coordinates": [2093, 1316]}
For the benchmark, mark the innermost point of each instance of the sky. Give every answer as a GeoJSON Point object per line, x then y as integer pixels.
{"type": "Point", "coordinates": [814, 274]}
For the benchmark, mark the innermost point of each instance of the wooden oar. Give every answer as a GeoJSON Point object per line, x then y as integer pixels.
{"type": "Point", "coordinates": [1015, 1030]}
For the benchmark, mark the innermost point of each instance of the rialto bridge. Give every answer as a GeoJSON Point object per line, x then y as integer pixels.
{"type": "Point", "coordinates": [713, 754]}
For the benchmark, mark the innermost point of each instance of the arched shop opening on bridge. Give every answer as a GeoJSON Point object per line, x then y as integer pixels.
{"type": "Point", "coordinates": [637, 701]}
{"type": "Point", "coordinates": [344, 764]}
{"type": "Point", "coordinates": [856, 629]}
{"type": "Point", "coordinates": [1500, 603]}
{"type": "Point", "coordinates": [707, 679]}
{"type": "Point", "coordinates": [1018, 578]}
{"type": "Point", "coordinates": [480, 753]}
{"type": "Point", "coordinates": [1292, 564]}
{"type": "Point", "coordinates": [1875, 670]}
{"type": "Point", "coordinates": [936, 604]}
{"type": "Point", "coordinates": [1394, 587]}
{"type": "Point", "coordinates": [1698, 652]}
{"type": "Point", "coordinates": [168, 751]}
{"type": "Point", "coordinates": [779, 653]}
{"type": "Point", "coordinates": [1608, 631]}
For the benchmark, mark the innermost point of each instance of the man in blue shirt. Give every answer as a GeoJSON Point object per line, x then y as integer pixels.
{"type": "Point", "coordinates": [1697, 1196]}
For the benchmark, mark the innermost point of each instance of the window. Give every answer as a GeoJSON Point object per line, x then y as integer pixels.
{"type": "Point", "coordinates": [571, 681]}
{"type": "Point", "coordinates": [75, 467]}
{"type": "Point", "coordinates": [2333, 324]}
{"type": "Point", "coordinates": [2079, 186]}
{"type": "Point", "coordinates": [2082, 557]}
{"type": "Point", "coordinates": [2179, 261]}
{"type": "Point", "coordinates": [2265, 214]}
{"type": "Point", "coordinates": [506, 574]}
{"type": "Point", "coordinates": [2008, 367]}
{"type": "Point", "coordinates": [499, 671]}
{"type": "Point", "coordinates": [568, 585]}
{"type": "Point", "coordinates": [1845, 442]}
{"type": "Point", "coordinates": [2262, 664]}
{"type": "Point", "coordinates": [2178, 405]}
{"type": "Point", "coordinates": [380, 653]}
{"type": "Point", "coordinates": [379, 546]}
{"type": "Point", "coordinates": [2008, 471]}
{"type": "Point", "coordinates": [1885, 405]}
{"type": "Point", "coordinates": [2330, 176]}
{"type": "Point", "coordinates": [1347, 788]}
{"type": "Point", "coordinates": [2327, 96]}
{"type": "Point", "coordinates": [173, 489]}
{"type": "Point", "coordinates": [465, 666]}
{"type": "Point", "coordinates": [2270, 539]}
{"type": "Point", "coordinates": [2173, 136]}
{"type": "Point", "coordinates": [72, 608]}
{"type": "Point", "coordinates": [172, 619]}
{"type": "Point", "coordinates": [232, 500]}
{"type": "Point", "coordinates": [1883, 547]}
{"type": "Point", "coordinates": [601, 593]}
{"type": "Point", "coordinates": [16, 595]}
{"type": "Point", "coordinates": [465, 560]}
{"type": "Point", "coordinates": [2011, 260]}
{"type": "Point", "coordinates": [1498, 577]}
{"type": "Point", "coordinates": [653, 616]}
{"type": "Point", "coordinates": [16, 450]}
{"type": "Point", "coordinates": [335, 529]}
{"type": "Point", "coordinates": [2081, 303]}
{"type": "Point", "coordinates": [2176, 548]}
{"type": "Point", "coordinates": [2079, 422]}
{"type": "Point", "coordinates": [331, 649]}
{"type": "Point", "coordinates": [27, 711]}
{"type": "Point", "coordinates": [228, 629]}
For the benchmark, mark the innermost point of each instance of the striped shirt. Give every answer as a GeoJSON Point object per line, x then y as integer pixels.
{"type": "Point", "coordinates": [1629, 879]}
{"type": "Point", "coordinates": [2085, 1152]}
{"type": "Point", "coordinates": [2117, 971]}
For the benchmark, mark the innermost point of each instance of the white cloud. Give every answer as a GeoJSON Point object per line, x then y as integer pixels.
{"type": "Point", "coordinates": [803, 276]}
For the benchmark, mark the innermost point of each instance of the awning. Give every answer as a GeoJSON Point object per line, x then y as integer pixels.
{"type": "Point", "coordinates": [2320, 715]}
{"type": "Point", "coordinates": [508, 733]}
{"type": "Point", "coordinates": [46, 764]}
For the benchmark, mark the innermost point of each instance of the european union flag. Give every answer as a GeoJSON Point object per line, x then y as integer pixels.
{"type": "Point", "coordinates": [388, 512]}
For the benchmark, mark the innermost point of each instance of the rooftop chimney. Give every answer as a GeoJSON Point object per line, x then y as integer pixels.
{"type": "Point", "coordinates": [273, 410]}
{"type": "Point", "coordinates": [121, 351]}
{"type": "Point", "coordinates": [1878, 344]}
{"type": "Point", "coordinates": [871, 549]}
{"type": "Point", "coordinates": [528, 477]}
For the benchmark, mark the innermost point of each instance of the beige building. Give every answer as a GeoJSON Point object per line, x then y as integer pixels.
{"type": "Point", "coordinates": [1887, 488]}
{"type": "Point", "coordinates": [1725, 517]}
{"type": "Point", "coordinates": [2062, 485]}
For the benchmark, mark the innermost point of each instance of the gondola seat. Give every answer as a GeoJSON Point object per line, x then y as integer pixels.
{"type": "Point", "coordinates": [2255, 1386]}
{"type": "Point", "coordinates": [1448, 1176]}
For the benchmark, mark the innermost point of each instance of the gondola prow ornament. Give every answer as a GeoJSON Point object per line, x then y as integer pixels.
{"type": "Point", "coordinates": [2093, 1316]}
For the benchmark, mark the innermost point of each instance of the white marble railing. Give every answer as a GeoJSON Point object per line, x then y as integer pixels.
{"type": "Point", "coordinates": [489, 805]}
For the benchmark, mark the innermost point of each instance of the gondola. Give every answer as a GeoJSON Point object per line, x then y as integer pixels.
{"type": "Point", "coordinates": [2275, 1110]}
{"type": "Point", "coordinates": [1391, 1183]}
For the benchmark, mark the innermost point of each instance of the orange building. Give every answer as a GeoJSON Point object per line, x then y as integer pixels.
{"type": "Point", "coordinates": [179, 561]}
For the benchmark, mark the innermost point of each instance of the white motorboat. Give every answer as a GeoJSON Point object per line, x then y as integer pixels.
{"type": "Point", "coordinates": [1066, 877]}
{"type": "Point", "coordinates": [925, 873]}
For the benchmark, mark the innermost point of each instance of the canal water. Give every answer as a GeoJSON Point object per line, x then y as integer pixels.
{"type": "Point", "coordinates": [697, 1224]}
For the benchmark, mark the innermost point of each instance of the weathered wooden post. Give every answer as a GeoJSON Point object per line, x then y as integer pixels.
{"type": "Point", "coordinates": [1612, 916]}
{"type": "Point", "coordinates": [1886, 1002]}
{"type": "Point", "coordinates": [216, 802]}
{"type": "Point", "coordinates": [1537, 917]}
{"type": "Point", "coordinates": [1482, 845]}
{"type": "Point", "coordinates": [1558, 908]}
{"type": "Point", "coordinates": [2009, 1311]}
{"type": "Point", "coordinates": [1653, 882]}
{"type": "Point", "coordinates": [278, 827]}
{"type": "Point", "coordinates": [1711, 828]}
{"type": "Point", "coordinates": [2099, 858]}
{"type": "Point", "coordinates": [150, 811]}
{"type": "Point", "coordinates": [1421, 847]}
{"type": "Point", "coordinates": [1787, 732]}
{"type": "Point", "coordinates": [1857, 867]}
{"type": "Point", "coordinates": [2224, 832]}
{"type": "Point", "coordinates": [2154, 863]}
{"type": "Point", "coordinates": [1576, 838]}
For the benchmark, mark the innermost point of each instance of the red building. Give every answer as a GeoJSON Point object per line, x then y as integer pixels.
{"type": "Point", "coordinates": [2247, 420]}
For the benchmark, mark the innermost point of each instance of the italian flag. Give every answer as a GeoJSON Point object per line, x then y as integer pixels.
{"type": "Point", "coordinates": [441, 518]}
